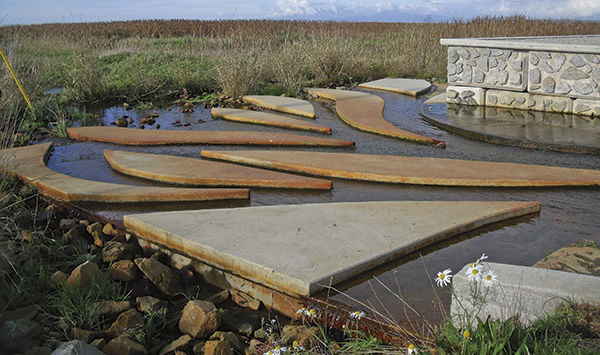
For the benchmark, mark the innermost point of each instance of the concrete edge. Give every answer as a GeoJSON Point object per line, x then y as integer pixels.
{"type": "Point", "coordinates": [526, 292]}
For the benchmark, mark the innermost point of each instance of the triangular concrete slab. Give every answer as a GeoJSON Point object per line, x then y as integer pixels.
{"type": "Point", "coordinates": [268, 119]}
{"type": "Point", "coordinates": [411, 170]}
{"type": "Point", "coordinates": [129, 136]}
{"type": "Point", "coordinates": [188, 171]}
{"type": "Point", "coordinates": [413, 87]}
{"type": "Point", "coordinates": [282, 104]}
{"type": "Point", "coordinates": [300, 249]}
{"type": "Point", "coordinates": [365, 112]}
{"type": "Point", "coordinates": [28, 164]}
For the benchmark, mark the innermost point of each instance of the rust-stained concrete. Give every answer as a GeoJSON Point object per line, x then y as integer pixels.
{"type": "Point", "coordinates": [411, 170]}
{"type": "Point", "coordinates": [301, 249]}
{"type": "Point", "coordinates": [412, 87]}
{"type": "Point", "coordinates": [268, 119]}
{"type": "Point", "coordinates": [28, 164]}
{"type": "Point", "coordinates": [188, 171]}
{"type": "Point", "coordinates": [283, 104]}
{"type": "Point", "coordinates": [582, 257]}
{"type": "Point", "coordinates": [130, 136]}
{"type": "Point", "coordinates": [365, 112]}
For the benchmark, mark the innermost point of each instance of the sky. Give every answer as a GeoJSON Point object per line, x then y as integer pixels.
{"type": "Point", "coordinates": [51, 11]}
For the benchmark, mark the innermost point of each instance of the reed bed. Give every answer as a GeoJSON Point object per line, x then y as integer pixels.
{"type": "Point", "coordinates": [154, 60]}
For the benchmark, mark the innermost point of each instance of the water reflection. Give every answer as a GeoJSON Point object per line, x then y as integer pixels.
{"type": "Point", "coordinates": [567, 214]}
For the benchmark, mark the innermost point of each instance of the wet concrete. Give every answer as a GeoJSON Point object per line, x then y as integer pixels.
{"type": "Point", "coordinates": [530, 129]}
{"type": "Point", "coordinates": [567, 214]}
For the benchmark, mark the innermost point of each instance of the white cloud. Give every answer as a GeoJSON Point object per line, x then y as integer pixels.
{"type": "Point", "coordinates": [584, 7]}
{"type": "Point", "coordinates": [384, 6]}
{"type": "Point", "coordinates": [296, 7]}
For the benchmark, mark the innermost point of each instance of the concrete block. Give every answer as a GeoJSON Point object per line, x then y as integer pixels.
{"type": "Point", "coordinates": [464, 95]}
{"type": "Point", "coordinates": [527, 292]}
{"type": "Point", "coordinates": [586, 107]}
{"type": "Point", "coordinates": [527, 101]}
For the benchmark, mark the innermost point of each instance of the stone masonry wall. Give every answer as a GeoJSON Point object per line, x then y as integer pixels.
{"type": "Point", "coordinates": [565, 74]}
{"type": "Point", "coordinates": [487, 67]}
{"type": "Point", "coordinates": [527, 80]}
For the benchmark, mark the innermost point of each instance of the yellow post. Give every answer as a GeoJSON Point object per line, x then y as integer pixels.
{"type": "Point", "coordinates": [16, 80]}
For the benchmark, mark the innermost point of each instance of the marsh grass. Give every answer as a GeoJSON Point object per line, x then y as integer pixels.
{"type": "Point", "coordinates": [158, 60]}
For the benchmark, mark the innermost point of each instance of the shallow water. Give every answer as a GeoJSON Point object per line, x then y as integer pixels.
{"type": "Point", "coordinates": [567, 215]}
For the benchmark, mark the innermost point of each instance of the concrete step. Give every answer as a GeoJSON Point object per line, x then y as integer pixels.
{"type": "Point", "coordinates": [188, 171]}
{"type": "Point", "coordinates": [282, 104]}
{"type": "Point", "coordinates": [411, 170]}
{"type": "Point", "coordinates": [365, 112]}
{"type": "Point", "coordinates": [268, 119]}
{"type": "Point", "coordinates": [301, 249]}
{"type": "Point", "coordinates": [412, 87]}
{"type": "Point", "coordinates": [129, 136]}
{"type": "Point", "coordinates": [28, 164]}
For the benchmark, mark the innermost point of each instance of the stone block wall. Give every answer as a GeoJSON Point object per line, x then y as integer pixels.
{"type": "Point", "coordinates": [565, 74]}
{"type": "Point", "coordinates": [524, 79]}
{"type": "Point", "coordinates": [487, 67]}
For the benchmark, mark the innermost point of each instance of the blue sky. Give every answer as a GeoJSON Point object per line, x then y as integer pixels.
{"type": "Point", "coordinates": [41, 11]}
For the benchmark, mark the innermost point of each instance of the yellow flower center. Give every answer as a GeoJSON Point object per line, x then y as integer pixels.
{"type": "Point", "coordinates": [442, 276]}
{"type": "Point", "coordinates": [466, 334]}
{"type": "Point", "coordinates": [411, 347]}
{"type": "Point", "coordinates": [311, 312]}
{"type": "Point", "coordinates": [475, 271]}
{"type": "Point", "coordinates": [488, 277]}
{"type": "Point", "coordinates": [295, 344]}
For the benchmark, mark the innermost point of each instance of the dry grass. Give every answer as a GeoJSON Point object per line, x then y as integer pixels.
{"type": "Point", "coordinates": [156, 59]}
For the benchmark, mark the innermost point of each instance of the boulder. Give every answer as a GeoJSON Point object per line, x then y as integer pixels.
{"type": "Point", "coordinates": [199, 319]}
{"type": "Point", "coordinates": [85, 335]}
{"type": "Point", "coordinates": [160, 275]}
{"type": "Point", "coordinates": [20, 335]}
{"type": "Point", "coordinates": [243, 299]}
{"type": "Point", "coordinates": [303, 336]}
{"type": "Point", "coordinates": [76, 347]}
{"type": "Point", "coordinates": [114, 251]}
{"type": "Point", "coordinates": [59, 278]}
{"type": "Point", "coordinates": [217, 347]}
{"type": "Point", "coordinates": [109, 230]}
{"type": "Point", "coordinates": [111, 308]}
{"type": "Point", "coordinates": [124, 270]}
{"type": "Point", "coordinates": [95, 230]}
{"type": "Point", "coordinates": [66, 223]}
{"type": "Point", "coordinates": [180, 344]}
{"type": "Point", "coordinates": [149, 303]}
{"type": "Point", "coordinates": [122, 345]}
{"type": "Point", "coordinates": [126, 322]}
{"type": "Point", "coordinates": [231, 339]}
{"type": "Point", "coordinates": [85, 275]}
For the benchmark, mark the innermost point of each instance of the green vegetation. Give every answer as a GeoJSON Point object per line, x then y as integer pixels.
{"type": "Point", "coordinates": [147, 62]}
{"type": "Point", "coordinates": [155, 60]}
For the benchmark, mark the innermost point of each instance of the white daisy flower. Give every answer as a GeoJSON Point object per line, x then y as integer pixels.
{"type": "Point", "coordinates": [412, 349]}
{"type": "Point", "coordinates": [443, 278]}
{"type": "Point", "coordinates": [357, 314]}
{"type": "Point", "coordinates": [489, 278]}
{"type": "Point", "coordinates": [474, 272]}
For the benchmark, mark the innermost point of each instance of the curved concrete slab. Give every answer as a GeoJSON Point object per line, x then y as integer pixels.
{"type": "Point", "coordinates": [268, 119]}
{"type": "Point", "coordinates": [411, 170]}
{"type": "Point", "coordinates": [412, 87]}
{"type": "Point", "coordinates": [365, 112]}
{"type": "Point", "coordinates": [28, 164]}
{"type": "Point", "coordinates": [129, 136]}
{"type": "Point", "coordinates": [282, 104]}
{"type": "Point", "coordinates": [188, 171]}
{"type": "Point", "coordinates": [301, 249]}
